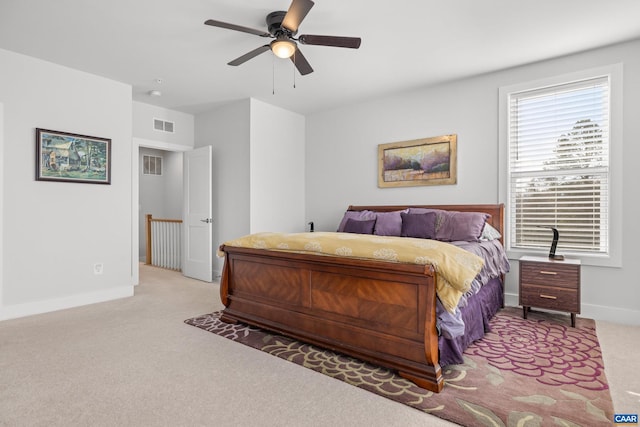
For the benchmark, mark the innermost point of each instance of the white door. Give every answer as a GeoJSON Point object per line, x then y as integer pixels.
{"type": "Point", "coordinates": [198, 240]}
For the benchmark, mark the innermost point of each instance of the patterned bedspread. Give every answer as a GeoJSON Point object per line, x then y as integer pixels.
{"type": "Point", "coordinates": [456, 267]}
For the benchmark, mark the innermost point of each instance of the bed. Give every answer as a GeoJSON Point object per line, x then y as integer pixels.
{"type": "Point", "coordinates": [382, 311]}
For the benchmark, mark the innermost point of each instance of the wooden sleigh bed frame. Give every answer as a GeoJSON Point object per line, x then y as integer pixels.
{"type": "Point", "coordinates": [377, 311]}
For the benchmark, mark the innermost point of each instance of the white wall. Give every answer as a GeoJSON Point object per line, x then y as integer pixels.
{"type": "Point", "coordinates": [342, 149]}
{"type": "Point", "coordinates": [143, 115]}
{"type": "Point", "coordinates": [341, 160]}
{"type": "Point", "coordinates": [1, 203]}
{"type": "Point", "coordinates": [53, 232]}
{"type": "Point", "coordinates": [227, 129]}
{"type": "Point", "coordinates": [258, 168]}
{"type": "Point", "coordinates": [277, 169]}
{"type": "Point", "coordinates": [173, 173]}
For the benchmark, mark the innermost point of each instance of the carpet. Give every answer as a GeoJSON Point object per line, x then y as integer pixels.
{"type": "Point", "coordinates": [533, 372]}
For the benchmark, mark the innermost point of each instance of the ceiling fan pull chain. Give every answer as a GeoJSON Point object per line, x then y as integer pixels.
{"type": "Point", "coordinates": [273, 75]}
{"type": "Point", "coordinates": [294, 68]}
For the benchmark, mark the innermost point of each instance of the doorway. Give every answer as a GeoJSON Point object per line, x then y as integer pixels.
{"type": "Point", "coordinates": [137, 147]}
{"type": "Point", "coordinates": [160, 189]}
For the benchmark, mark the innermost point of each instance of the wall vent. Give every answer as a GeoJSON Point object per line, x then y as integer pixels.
{"type": "Point", "coordinates": [163, 126]}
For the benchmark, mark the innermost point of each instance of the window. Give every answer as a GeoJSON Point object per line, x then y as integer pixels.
{"type": "Point", "coordinates": [558, 140]}
{"type": "Point", "coordinates": [151, 165]}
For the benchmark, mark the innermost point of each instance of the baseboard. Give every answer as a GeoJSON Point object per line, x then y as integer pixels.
{"type": "Point", "coordinates": [611, 314]}
{"type": "Point", "coordinates": [593, 311]}
{"type": "Point", "coordinates": [39, 307]}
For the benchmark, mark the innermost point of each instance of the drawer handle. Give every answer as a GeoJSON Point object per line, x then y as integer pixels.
{"type": "Point", "coordinates": [550, 273]}
{"type": "Point", "coordinates": [548, 296]}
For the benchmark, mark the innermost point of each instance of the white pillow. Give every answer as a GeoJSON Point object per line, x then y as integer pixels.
{"type": "Point", "coordinates": [489, 233]}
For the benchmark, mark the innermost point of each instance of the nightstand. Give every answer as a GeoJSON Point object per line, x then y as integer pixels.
{"type": "Point", "coordinates": [550, 284]}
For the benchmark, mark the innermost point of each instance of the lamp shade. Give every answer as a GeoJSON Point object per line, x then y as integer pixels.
{"type": "Point", "coordinates": [283, 48]}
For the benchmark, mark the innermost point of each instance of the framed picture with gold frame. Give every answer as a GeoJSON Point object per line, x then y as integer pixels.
{"type": "Point", "coordinates": [427, 161]}
{"type": "Point", "coordinates": [69, 157]}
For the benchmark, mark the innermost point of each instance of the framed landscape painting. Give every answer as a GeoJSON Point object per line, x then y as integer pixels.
{"type": "Point", "coordinates": [70, 157]}
{"type": "Point", "coordinates": [428, 161]}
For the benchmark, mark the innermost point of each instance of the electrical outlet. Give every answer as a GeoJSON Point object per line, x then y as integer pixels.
{"type": "Point", "coordinates": [97, 268]}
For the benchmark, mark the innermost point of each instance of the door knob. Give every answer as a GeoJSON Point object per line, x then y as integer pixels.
{"type": "Point", "coordinates": [207, 220]}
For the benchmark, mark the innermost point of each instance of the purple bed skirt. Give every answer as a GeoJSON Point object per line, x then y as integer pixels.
{"type": "Point", "coordinates": [476, 315]}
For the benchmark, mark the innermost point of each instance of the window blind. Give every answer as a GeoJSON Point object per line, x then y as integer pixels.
{"type": "Point", "coordinates": [559, 166]}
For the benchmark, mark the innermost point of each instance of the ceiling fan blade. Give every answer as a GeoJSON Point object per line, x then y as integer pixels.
{"type": "Point", "coordinates": [301, 63]}
{"type": "Point", "coordinates": [296, 13]}
{"type": "Point", "coordinates": [247, 56]}
{"type": "Point", "coordinates": [350, 42]}
{"type": "Point", "coordinates": [228, 26]}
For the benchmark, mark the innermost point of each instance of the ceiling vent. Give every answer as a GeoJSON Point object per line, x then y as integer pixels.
{"type": "Point", "coordinates": [163, 126]}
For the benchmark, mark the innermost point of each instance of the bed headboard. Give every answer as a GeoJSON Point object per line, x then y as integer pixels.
{"type": "Point", "coordinates": [496, 211]}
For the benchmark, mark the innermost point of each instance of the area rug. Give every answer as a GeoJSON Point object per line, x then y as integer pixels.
{"type": "Point", "coordinates": [533, 372]}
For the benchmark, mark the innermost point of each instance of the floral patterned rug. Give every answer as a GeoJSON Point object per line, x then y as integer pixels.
{"type": "Point", "coordinates": [533, 372]}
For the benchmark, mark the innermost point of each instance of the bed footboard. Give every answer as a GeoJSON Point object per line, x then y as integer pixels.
{"type": "Point", "coordinates": [380, 312]}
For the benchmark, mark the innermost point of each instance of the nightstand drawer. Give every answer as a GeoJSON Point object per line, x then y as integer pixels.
{"type": "Point", "coordinates": [549, 274]}
{"type": "Point", "coordinates": [550, 297]}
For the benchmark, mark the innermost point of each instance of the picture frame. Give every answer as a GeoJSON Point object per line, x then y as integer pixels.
{"type": "Point", "coordinates": [70, 157]}
{"type": "Point", "coordinates": [427, 161]}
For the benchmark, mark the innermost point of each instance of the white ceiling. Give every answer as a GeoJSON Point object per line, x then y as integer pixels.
{"type": "Point", "coordinates": [406, 44]}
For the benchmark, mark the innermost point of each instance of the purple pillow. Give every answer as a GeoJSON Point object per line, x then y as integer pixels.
{"type": "Point", "coordinates": [465, 226]}
{"type": "Point", "coordinates": [438, 213]}
{"type": "Point", "coordinates": [359, 226]}
{"type": "Point", "coordinates": [388, 223]}
{"type": "Point", "coordinates": [419, 225]}
{"type": "Point", "coordinates": [424, 210]}
{"type": "Point", "coordinates": [357, 215]}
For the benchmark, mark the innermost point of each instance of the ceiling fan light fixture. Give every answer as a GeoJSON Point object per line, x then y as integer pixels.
{"type": "Point", "coordinates": [283, 48]}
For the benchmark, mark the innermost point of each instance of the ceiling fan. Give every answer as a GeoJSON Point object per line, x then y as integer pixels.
{"type": "Point", "coordinates": [282, 27]}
